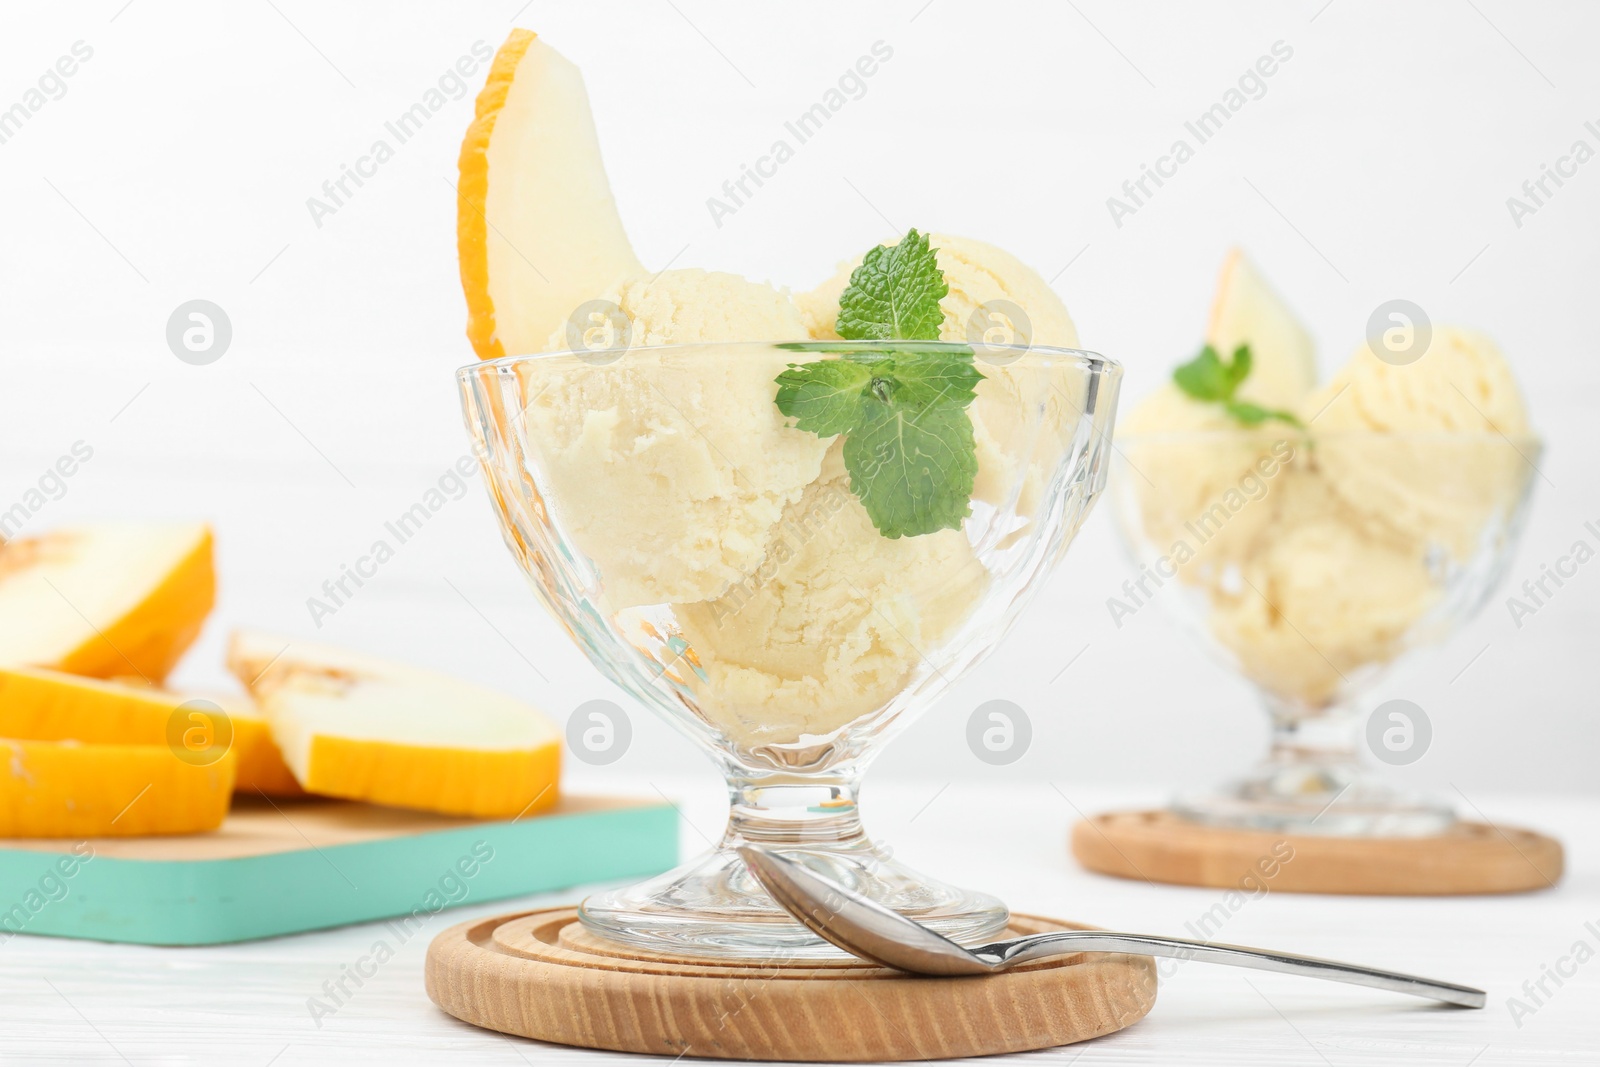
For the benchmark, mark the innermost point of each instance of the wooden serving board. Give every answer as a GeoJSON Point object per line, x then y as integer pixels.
{"type": "Point", "coordinates": [542, 975]}
{"type": "Point", "coordinates": [1159, 846]}
{"type": "Point", "coordinates": [286, 866]}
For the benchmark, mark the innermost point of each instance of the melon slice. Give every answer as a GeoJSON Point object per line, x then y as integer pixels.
{"type": "Point", "coordinates": [112, 598]}
{"type": "Point", "coordinates": [362, 728]}
{"type": "Point", "coordinates": [46, 705]}
{"type": "Point", "coordinates": [71, 789]}
{"type": "Point", "coordinates": [1247, 311]}
{"type": "Point", "coordinates": [260, 765]}
{"type": "Point", "coordinates": [537, 229]}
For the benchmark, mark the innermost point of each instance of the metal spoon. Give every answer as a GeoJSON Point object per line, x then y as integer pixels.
{"type": "Point", "coordinates": [873, 932]}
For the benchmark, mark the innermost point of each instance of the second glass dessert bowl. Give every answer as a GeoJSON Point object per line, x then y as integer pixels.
{"type": "Point", "coordinates": [723, 566]}
{"type": "Point", "coordinates": [1311, 562]}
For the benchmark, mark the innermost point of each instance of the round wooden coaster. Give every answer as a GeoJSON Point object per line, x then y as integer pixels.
{"type": "Point", "coordinates": [542, 975]}
{"type": "Point", "coordinates": [1159, 846]}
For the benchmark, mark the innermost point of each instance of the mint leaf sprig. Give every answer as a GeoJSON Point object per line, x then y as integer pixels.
{"type": "Point", "coordinates": [908, 445]}
{"type": "Point", "coordinates": [1207, 379]}
{"type": "Point", "coordinates": [894, 294]}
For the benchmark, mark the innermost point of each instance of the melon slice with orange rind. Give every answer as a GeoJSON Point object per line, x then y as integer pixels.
{"type": "Point", "coordinates": [72, 789]}
{"type": "Point", "coordinates": [106, 599]}
{"type": "Point", "coordinates": [45, 705]}
{"type": "Point", "coordinates": [85, 757]}
{"type": "Point", "coordinates": [355, 726]}
{"type": "Point", "coordinates": [206, 714]}
{"type": "Point", "coordinates": [537, 230]}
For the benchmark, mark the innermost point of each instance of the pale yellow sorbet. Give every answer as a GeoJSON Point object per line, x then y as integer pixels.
{"type": "Point", "coordinates": [1204, 485]}
{"type": "Point", "coordinates": [1461, 384]}
{"type": "Point", "coordinates": [1454, 439]}
{"type": "Point", "coordinates": [670, 470]}
{"type": "Point", "coordinates": [1321, 601]}
{"type": "Point", "coordinates": [682, 306]}
{"type": "Point", "coordinates": [832, 625]}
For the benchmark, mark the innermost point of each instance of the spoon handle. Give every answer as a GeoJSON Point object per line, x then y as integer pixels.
{"type": "Point", "coordinates": [1063, 942]}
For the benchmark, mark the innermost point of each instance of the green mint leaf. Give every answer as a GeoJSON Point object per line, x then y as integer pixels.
{"type": "Point", "coordinates": [912, 467]}
{"type": "Point", "coordinates": [1247, 413]}
{"type": "Point", "coordinates": [1239, 369]}
{"type": "Point", "coordinates": [1254, 414]}
{"type": "Point", "coordinates": [825, 397]}
{"type": "Point", "coordinates": [908, 444]}
{"type": "Point", "coordinates": [1205, 377]}
{"type": "Point", "coordinates": [902, 407]}
{"type": "Point", "coordinates": [921, 381]}
{"type": "Point", "coordinates": [894, 294]}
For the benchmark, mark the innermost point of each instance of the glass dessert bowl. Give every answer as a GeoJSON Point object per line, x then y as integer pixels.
{"type": "Point", "coordinates": [1311, 563]}
{"type": "Point", "coordinates": [732, 572]}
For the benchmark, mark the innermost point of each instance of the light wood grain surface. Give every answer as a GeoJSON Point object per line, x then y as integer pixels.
{"type": "Point", "coordinates": [1470, 857]}
{"type": "Point", "coordinates": [75, 1002]}
{"type": "Point", "coordinates": [257, 826]}
{"type": "Point", "coordinates": [542, 975]}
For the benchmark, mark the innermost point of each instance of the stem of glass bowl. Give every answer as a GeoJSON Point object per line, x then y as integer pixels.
{"type": "Point", "coordinates": [1313, 782]}
{"type": "Point", "coordinates": [713, 906]}
{"type": "Point", "coordinates": [811, 812]}
{"type": "Point", "coordinates": [1314, 742]}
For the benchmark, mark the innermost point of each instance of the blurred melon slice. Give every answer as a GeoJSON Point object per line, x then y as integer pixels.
{"type": "Point", "coordinates": [261, 766]}
{"type": "Point", "coordinates": [81, 750]}
{"type": "Point", "coordinates": [71, 789]}
{"type": "Point", "coordinates": [537, 230]}
{"type": "Point", "coordinates": [1245, 310]}
{"type": "Point", "coordinates": [112, 598]}
{"type": "Point", "coordinates": [362, 728]}
{"type": "Point", "coordinates": [44, 705]}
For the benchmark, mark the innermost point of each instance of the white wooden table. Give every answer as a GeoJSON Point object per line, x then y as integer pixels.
{"type": "Point", "coordinates": [82, 1002]}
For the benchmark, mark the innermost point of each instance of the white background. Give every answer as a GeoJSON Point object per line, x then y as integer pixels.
{"type": "Point", "coordinates": [178, 164]}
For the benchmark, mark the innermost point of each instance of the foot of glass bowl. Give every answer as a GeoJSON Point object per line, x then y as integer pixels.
{"type": "Point", "coordinates": [1313, 783]}
{"type": "Point", "coordinates": [713, 906]}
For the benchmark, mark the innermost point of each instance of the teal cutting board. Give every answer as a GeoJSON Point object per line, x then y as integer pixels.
{"type": "Point", "coordinates": [283, 867]}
